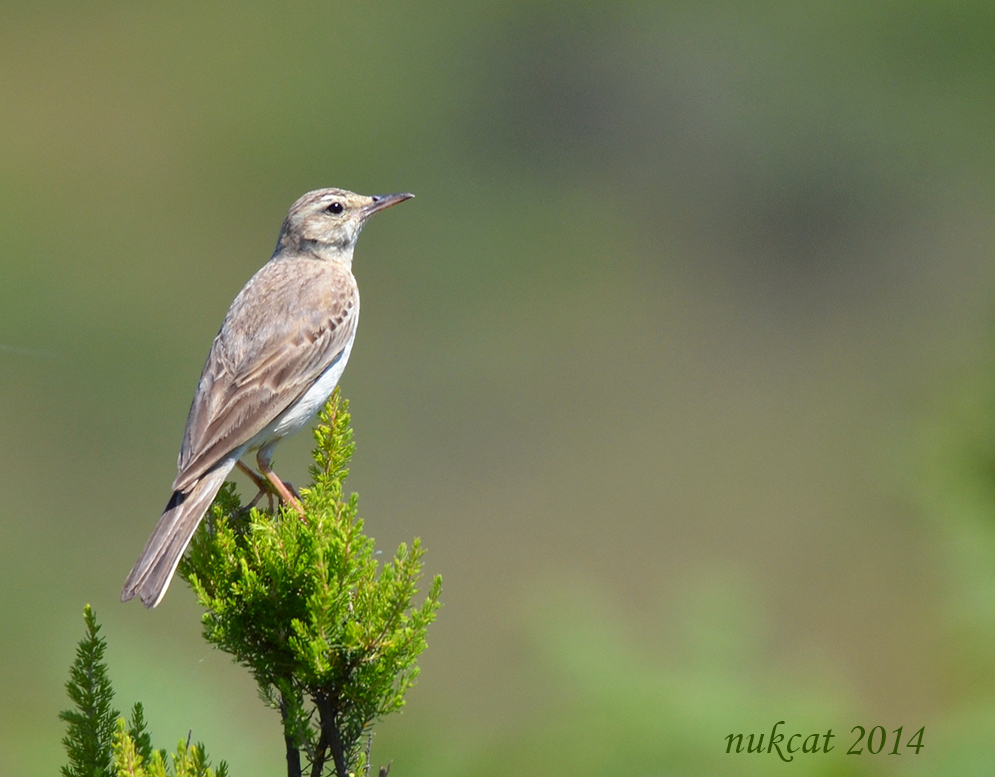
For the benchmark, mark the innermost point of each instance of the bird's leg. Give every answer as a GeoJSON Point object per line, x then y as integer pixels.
{"type": "Point", "coordinates": [263, 459]}
{"type": "Point", "coordinates": [261, 484]}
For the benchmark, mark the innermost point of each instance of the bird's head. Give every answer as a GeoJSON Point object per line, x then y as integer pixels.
{"type": "Point", "coordinates": [326, 222]}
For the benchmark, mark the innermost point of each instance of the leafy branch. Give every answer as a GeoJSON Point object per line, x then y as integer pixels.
{"type": "Point", "coordinates": [330, 634]}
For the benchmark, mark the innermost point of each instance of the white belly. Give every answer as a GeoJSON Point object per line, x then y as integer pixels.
{"type": "Point", "coordinates": [299, 414]}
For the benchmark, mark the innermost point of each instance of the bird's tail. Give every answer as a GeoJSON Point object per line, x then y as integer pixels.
{"type": "Point", "coordinates": [155, 567]}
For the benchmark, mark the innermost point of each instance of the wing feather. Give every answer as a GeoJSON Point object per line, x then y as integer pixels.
{"type": "Point", "coordinates": [287, 326]}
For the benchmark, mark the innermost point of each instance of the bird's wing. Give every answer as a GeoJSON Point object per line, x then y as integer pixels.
{"type": "Point", "coordinates": [291, 322]}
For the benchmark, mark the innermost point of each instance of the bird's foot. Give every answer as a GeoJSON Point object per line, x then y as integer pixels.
{"type": "Point", "coordinates": [265, 488]}
{"type": "Point", "coordinates": [288, 495]}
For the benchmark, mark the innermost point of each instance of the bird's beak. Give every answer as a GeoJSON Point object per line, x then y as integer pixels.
{"type": "Point", "coordinates": [384, 201]}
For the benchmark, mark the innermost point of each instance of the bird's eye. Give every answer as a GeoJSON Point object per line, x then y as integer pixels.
{"type": "Point", "coordinates": [335, 208]}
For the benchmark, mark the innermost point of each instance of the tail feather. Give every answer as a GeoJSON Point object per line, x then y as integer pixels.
{"type": "Point", "coordinates": [154, 569]}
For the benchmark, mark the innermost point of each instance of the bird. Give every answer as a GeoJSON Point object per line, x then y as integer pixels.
{"type": "Point", "coordinates": [275, 361]}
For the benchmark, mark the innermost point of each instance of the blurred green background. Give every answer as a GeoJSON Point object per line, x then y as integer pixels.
{"type": "Point", "coordinates": [680, 364]}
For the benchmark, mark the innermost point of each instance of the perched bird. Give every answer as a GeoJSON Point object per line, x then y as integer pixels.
{"type": "Point", "coordinates": [279, 355]}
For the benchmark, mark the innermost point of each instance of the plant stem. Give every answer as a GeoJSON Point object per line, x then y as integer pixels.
{"type": "Point", "coordinates": [330, 733]}
{"type": "Point", "coordinates": [293, 753]}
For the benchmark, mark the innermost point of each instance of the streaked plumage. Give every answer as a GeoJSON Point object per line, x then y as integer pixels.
{"type": "Point", "coordinates": [279, 355]}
